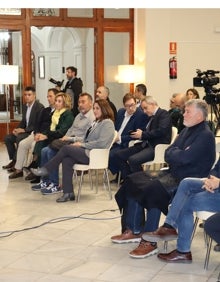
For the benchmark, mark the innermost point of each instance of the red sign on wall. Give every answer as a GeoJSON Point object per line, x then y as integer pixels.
{"type": "Point", "coordinates": [173, 47]}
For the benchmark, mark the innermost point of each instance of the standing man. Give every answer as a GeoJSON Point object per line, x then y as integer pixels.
{"type": "Point", "coordinates": [103, 92]}
{"type": "Point", "coordinates": [192, 154]}
{"type": "Point", "coordinates": [157, 131]}
{"type": "Point", "coordinates": [73, 87]}
{"type": "Point", "coordinates": [30, 115]}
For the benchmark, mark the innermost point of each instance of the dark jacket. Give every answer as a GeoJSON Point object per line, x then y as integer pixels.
{"type": "Point", "coordinates": [160, 129]}
{"type": "Point", "coordinates": [44, 120]}
{"type": "Point", "coordinates": [65, 121]}
{"type": "Point", "coordinates": [191, 155]}
{"type": "Point", "coordinates": [34, 116]}
{"type": "Point", "coordinates": [137, 120]}
{"type": "Point", "coordinates": [75, 85]}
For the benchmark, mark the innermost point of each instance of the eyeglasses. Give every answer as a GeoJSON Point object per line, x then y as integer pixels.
{"type": "Point", "coordinates": [130, 106]}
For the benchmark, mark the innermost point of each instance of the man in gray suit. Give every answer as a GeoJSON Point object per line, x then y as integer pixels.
{"type": "Point", "coordinates": [30, 114]}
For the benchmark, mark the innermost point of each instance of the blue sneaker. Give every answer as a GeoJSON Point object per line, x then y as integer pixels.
{"type": "Point", "coordinates": [51, 189]}
{"type": "Point", "coordinates": [41, 185]}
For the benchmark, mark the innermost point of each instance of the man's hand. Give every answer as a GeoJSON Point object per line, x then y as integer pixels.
{"type": "Point", "coordinates": [210, 184]}
{"type": "Point", "coordinates": [137, 134]}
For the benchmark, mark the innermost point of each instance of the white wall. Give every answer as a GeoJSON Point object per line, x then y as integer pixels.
{"type": "Point", "coordinates": [198, 47]}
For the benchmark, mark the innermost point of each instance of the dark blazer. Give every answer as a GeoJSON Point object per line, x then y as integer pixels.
{"type": "Point", "coordinates": [113, 108]}
{"type": "Point", "coordinates": [160, 129]}
{"type": "Point", "coordinates": [137, 120]}
{"type": "Point", "coordinates": [65, 121]}
{"type": "Point", "coordinates": [34, 117]}
{"type": "Point", "coordinates": [44, 120]}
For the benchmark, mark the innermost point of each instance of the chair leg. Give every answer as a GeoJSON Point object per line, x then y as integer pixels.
{"type": "Point", "coordinates": [80, 186]}
{"type": "Point", "coordinates": [209, 246]}
{"type": "Point", "coordinates": [108, 183]}
{"type": "Point", "coordinates": [194, 228]}
{"type": "Point", "coordinates": [165, 246]}
{"type": "Point", "coordinates": [119, 178]}
{"type": "Point", "coordinates": [90, 179]}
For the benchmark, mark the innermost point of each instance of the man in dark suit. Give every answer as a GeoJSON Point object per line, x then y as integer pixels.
{"type": "Point", "coordinates": [30, 115]}
{"type": "Point", "coordinates": [128, 120]}
{"type": "Point", "coordinates": [157, 131]}
{"type": "Point", "coordinates": [73, 87]}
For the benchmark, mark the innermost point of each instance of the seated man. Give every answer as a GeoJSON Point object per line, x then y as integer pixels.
{"type": "Point", "coordinates": [193, 194]}
{"type": "Point", "coordinates": [158, 130]}
{"type": "Point", "coordinates": [27, 143]}
{"type": "Point", "coordinates": [128, 120]}
{"type": "Point", "coordinates": [103, 92]}
{"type": "Point", "coordinates": [140, 93]}
{"type": "Point", "coordinates": [28, 123]}
{"type": "Point", "coordinates": [192, 154]}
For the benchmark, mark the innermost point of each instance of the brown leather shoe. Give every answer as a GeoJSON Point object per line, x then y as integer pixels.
{"type": "Point", "coordinates": [10, 165]}
{"type": "Point", "coordinates": [145, 249]}
{"type": "Point", "coordinates": [161, 234]}
{"type": "Point", "coordinates": [176, 257]}
{"type": "Point", "coordinates": [16, 174]}
{"type": "Point", "coordinates": [126, 237]}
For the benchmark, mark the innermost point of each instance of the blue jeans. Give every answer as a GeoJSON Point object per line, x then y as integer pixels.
{"type": "Point", "coordinates": [134, 218]}
{"type": "Point", "coordinates": [46, 154]}
{"type": "Point", "coordinates": [190, 197]}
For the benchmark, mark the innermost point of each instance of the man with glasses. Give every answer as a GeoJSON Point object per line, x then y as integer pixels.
{"type": "Point", "coordinates": [129, 119]}
{"type": "Point", "coordinates": [157, 131]}
{"type": "Point", "coordinates": [28, 124]}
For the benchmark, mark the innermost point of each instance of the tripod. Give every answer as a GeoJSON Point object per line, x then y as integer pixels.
{"type": "Point", "coordinates": [215, 117]}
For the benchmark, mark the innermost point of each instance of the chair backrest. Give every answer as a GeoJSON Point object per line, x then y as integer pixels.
{"type": "Point", "coordinates": [99, 158]}
{"type": "Point", "coordinates": [174, 134]}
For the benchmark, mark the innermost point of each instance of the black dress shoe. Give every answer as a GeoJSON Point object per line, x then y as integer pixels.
{"type": "Point", "coordinates": [12, 169]}
{"type": "Point", "coordinates": [16, 174]}
{"type": "Point", "coordinates": [217, 248]}
{"type": "Point", "coordinates": [66, 197]}
{"type": "Point", "coordinates": [176, 257]}
{"type": "Point", "coordinates": [41, 171]}
{"type": "Point", "coordinates": [37, 179]}
{"type": "Point", "coordinates": [10, 165]}
{"type": "Point", "coordinates": [30, 176]}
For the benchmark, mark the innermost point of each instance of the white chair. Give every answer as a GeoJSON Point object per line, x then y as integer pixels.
{"type": "Point", "coordinates": [203, 215]}
{"type": "Point", "coordinates": [160, 151]}
{"type": "Point", "coordinates": [98, 159]}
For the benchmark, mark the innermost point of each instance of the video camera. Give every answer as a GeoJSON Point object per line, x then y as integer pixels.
{"type": "Point", "coordinates": [56, 82]}
{"type": "Point", "coordinates": [205, 78]}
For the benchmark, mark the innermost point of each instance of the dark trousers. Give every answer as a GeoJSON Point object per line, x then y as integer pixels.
{"type": "Point", "coordinates": [130, 159]}
{"type": "Point", "coordinates": [68, 155]}
{"type": "Point", "coordinates": [212, 227]}
{"type": "Point", "coordinates": [11, 142]}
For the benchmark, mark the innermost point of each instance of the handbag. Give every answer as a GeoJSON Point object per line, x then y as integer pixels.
{"type": "Point", "coordinates": [57, 144]}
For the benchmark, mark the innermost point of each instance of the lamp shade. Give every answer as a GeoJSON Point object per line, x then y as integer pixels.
{"type": "Point", "coordinates": [8, 74]}
{"type": "Point", "coordinates": [130, 74]}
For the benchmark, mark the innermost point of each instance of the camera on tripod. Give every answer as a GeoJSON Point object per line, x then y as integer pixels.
{"type": "Point", "coordinates": [56, 82]}
{"type": "Point", "coordinates": [208, 79]}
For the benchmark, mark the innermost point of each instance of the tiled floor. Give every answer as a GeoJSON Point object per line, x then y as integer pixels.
{"type": "Point", "coordinates": [78, 249]}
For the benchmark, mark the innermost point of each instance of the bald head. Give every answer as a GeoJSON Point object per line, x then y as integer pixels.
{"type": "Point", "coordinates": [179, 100]}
